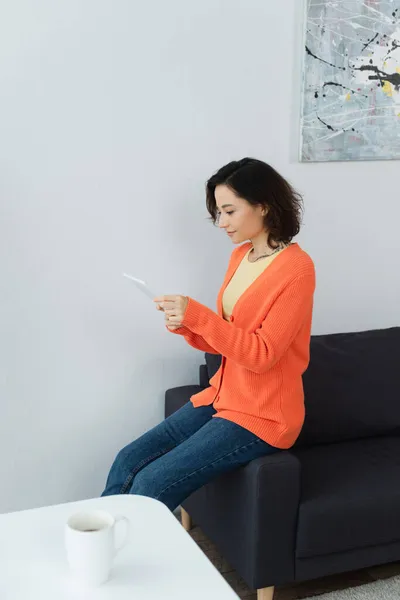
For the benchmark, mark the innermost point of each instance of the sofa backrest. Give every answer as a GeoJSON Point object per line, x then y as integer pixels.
{"type": "Point", "coordinates": [352, 386]}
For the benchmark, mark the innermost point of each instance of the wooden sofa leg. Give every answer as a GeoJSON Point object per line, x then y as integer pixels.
{"type": "Point", "coordinates": [265, 593]}
{"type": "Point", "coordinates": [187, 521]}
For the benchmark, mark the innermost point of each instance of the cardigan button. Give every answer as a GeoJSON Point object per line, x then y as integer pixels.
{"type": "Point", "coordinates": [231, 318]}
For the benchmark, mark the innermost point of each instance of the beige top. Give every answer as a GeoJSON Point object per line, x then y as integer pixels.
{"type": "Point", "coordinates": [243, 277]}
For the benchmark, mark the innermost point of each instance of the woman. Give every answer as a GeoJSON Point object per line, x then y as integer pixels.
{"type": "Point", "coordinates": [254, 405]}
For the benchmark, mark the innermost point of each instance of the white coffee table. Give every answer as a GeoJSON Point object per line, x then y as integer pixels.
{"type": "Point", "coordinates": [160, 561]}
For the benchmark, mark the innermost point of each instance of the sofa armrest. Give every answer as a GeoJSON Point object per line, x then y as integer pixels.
{"type": "Point", "coordinates": [251, 515]}
{"type": "Point", "coordinates": [275, 505]}
{"type": "Point", "coordinates": [176, 397]}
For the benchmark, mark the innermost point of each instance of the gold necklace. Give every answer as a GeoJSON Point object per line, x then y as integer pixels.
{"type": "Point", "coordinates": [280, 247]}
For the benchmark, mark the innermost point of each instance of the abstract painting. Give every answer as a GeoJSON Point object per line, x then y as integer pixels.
{"type": "Point", "coordinates": [351, 80]}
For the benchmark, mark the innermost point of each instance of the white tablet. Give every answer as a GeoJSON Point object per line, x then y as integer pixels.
{"type": "Point", "coordinates": [142, 285]}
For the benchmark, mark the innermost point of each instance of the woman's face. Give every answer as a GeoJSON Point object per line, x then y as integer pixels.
{"type": "Point", "coordinates": [241, 220]}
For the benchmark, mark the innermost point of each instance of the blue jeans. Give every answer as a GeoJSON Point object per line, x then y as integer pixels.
{"type": "Point", "coordinates": [182, 454]}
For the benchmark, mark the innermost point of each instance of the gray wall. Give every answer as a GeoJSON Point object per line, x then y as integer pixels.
{"type": "Point", "coordinates": [113, 114]}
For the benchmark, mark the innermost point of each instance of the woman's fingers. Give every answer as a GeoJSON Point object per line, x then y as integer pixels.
{"type": "Point", "coordinates": [168, 306]}
{"type": "Point", "coordinates": [172, 320]}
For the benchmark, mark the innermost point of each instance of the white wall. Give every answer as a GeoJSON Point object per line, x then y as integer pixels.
{"type": "Point", "coordinates": [113, 114]}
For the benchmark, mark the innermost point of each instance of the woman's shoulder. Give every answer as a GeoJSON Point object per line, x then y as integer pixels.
{"type": "Point", "coordinates": [298, 263]}
{"type": "Point", "coordinates": [302, 257]}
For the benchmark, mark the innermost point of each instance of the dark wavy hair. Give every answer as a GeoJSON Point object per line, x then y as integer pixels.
{"type": "Point", "coordinates": [259, 184]}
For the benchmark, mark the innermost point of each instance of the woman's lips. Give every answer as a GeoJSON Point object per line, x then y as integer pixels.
{"type": "Point", "coordinates": [230, 232]}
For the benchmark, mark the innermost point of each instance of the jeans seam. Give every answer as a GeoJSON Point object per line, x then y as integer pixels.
{"type": "Point", "coordinates": [138, 467]}
{"type": "Point", "coordinates": [149, 459]}
{"type": "Point", "coordinates": [207, 466]}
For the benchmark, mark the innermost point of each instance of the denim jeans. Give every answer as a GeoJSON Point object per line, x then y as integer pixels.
{"type": "Point", "coordinates": [181, 454]}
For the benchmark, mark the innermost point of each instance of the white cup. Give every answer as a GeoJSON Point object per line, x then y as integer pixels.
{"type": "Point", "coordinates": [91, 546]}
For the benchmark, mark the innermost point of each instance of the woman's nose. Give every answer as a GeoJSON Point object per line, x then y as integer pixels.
{"type": "Point", "coordinates": [221, 224]}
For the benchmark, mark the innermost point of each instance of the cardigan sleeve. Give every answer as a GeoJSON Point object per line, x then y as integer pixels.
{"type": "Point", "coordinates": [257, 351]}
{"type": "Point", "coordinates": [194, 340]}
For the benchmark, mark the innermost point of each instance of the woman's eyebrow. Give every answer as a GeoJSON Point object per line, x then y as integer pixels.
{"type": "Point", "coordinates": [225, 205]}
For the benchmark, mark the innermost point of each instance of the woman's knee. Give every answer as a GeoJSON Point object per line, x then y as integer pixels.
{"type": "Point", "coordinates": [121, 457]}
{"type": "Point", "coordinates": [123, 464]}
{"type": "Point", "coordinates": [146, 483]}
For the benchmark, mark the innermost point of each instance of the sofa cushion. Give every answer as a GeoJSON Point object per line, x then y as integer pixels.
{"type": "Point", "coordinates": [350, 496]}
{"type": "Point", "coordinates": [352, 386]}
{"type": "Point", "coordinates": [213, 362]}
{"type": "Point", "coordinates": [203, 376]}
{"type": "Point", "coordinates": [176, 397]}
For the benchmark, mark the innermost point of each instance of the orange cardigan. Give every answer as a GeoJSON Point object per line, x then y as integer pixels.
{"type": "Point", "coordinates": [264, 347]}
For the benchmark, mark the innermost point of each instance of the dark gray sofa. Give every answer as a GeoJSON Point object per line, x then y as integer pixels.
{"type": "Point", "coordinates": [332, 502]}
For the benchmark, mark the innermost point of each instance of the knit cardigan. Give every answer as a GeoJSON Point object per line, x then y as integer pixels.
{"type": "Point", "coordinates": [264, 347]}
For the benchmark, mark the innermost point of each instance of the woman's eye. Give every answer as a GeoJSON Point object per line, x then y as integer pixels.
{"type": "Point", "coordinates": [230, 212]}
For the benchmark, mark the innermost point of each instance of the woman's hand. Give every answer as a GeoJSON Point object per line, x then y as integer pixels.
{"type": "Point", "coordinates": [174, 308]}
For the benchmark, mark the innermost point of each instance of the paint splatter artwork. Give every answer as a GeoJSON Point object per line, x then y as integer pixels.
{"type": "Point", "coordinates": [351, 80]}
